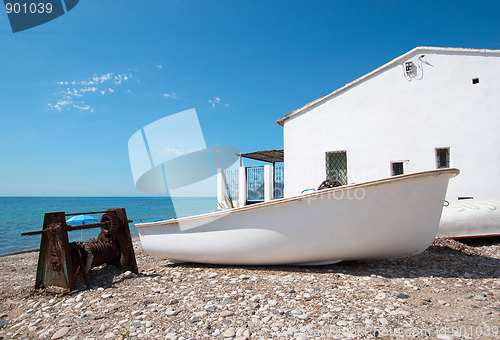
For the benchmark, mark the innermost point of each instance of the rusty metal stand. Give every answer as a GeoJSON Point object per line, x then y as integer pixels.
{"type": "Point", "coordinates": [59, 261]}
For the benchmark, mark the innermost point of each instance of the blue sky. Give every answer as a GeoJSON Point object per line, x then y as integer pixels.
{"type": "Point", "coordinates": [74, 90]}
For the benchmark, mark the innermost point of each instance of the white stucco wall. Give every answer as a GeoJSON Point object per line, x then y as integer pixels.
{"type": "Point", "coordinates": [389, 117]}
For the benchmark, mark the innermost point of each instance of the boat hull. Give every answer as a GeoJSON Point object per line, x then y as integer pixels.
{"type": "Point", "coordinates": [398, 216]}
{"type": "Point", "coordinates": [470, 218]}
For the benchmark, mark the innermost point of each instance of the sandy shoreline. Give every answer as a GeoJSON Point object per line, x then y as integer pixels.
{"type": "Point", "coordinates": [450, 291]}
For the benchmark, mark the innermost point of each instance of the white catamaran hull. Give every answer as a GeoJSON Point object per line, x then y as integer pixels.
{"type": "Point", "coordinates": [398, 216]}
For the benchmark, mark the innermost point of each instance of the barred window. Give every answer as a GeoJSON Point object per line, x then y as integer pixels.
{"type": "Point", "coordinates": [336, 166]}
{"type": "Point", "coordinates": [442, 158]}
{"type": "Point", "coordinates": [397, 168]}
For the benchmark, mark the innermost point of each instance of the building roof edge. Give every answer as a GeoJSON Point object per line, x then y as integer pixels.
{"type": "Point", "coordinates": [416, 50]}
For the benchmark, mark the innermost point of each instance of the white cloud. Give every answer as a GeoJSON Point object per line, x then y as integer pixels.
{"type": "Point", "coordinates": [176, 151]}
{"type": "Point", "coordinates": [81, 89]}
{"type": "Point", "coordinates": [159, 67]}
{"type": "Point", "coordinates": [88, 89]}
{"type": "Point", "coordinates": [102, 78]}
{"type": "Point", "coordinates": [215, 101]}
{"type": "Point", "coordinates": [85, 107]}
{"type": "Point", "coordinates": [65, 104]}
{"type": "Point", "coordinates": [79, 92]}
{"type": "Point", "coordinates": [170, 95]}
{"type": "Point", "coordinates": [73, 93]}
{"type": "Point", "coordinates": [172, 151]}
{"type": "Point", "coordinates": [61, 105]}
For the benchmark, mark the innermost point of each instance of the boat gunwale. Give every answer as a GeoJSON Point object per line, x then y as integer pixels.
{"type": "Point", "coordinates": [313, 195]}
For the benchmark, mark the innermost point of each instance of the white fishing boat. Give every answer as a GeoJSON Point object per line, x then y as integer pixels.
{"type": "Point", "coordinates": [470, 218]}
{"type": "Point", "coordinates": [397, 216]}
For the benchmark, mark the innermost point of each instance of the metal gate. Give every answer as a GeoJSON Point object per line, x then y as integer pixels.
{"type": "Point", "coordinates": [255, 183]}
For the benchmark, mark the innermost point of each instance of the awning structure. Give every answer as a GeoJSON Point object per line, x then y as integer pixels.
{"type": "Point", "coordinates": [271, 156]}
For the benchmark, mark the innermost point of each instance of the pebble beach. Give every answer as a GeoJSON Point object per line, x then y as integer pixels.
{"type": "Point", "coordinates": [451, 291]}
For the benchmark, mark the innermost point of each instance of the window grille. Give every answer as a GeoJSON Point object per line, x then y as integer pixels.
{"type": "Point", "coordinates": [442, 158]}
{"type": "Point", "coordinates": [336, 166]}
{"type": "Point", "coordinates": [397, 168]}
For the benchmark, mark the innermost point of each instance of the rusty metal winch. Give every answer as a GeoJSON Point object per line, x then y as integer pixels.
{"type": "Point", "coordinates": [59, 260]}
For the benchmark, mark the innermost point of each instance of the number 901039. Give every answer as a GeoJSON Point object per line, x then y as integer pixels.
{"type": "Point", "coordinates": [28, 8]}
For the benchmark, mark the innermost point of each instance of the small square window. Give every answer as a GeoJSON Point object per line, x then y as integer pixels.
{"type": "Point", "coordinates": [475, 80]}
{"type": "Point", "coordinates": [397, 168]}
{"type": "Point", "coordinates": [442, 158]}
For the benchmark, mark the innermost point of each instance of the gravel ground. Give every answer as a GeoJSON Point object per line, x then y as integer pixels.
{"type": "Point", "coordinates": [450, 291]}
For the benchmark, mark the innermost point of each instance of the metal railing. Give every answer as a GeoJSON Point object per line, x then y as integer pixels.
{"type": "Point", "coordinates": [255, 183]}
{"type": "Point", "coordinates": [232, 183]}
{"type": "Point", "coordinates": [279, 181]}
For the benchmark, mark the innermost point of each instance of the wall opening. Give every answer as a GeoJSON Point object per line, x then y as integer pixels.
{"type": "Point", "coordinates": [397, 168]}
{"type": "Point", "coordinates": [442, 158]}
{"type": "Point", "coordinates": [475, 81]}
{"type": "Point", "coordinates": [336, 166]}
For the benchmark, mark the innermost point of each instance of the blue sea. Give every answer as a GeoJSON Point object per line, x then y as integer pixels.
{"type": "Point", "coordinates": [21, 214]}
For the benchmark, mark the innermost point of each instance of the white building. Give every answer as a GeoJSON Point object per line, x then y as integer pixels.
{"type": "Point", "coordinates": [429, 108]}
